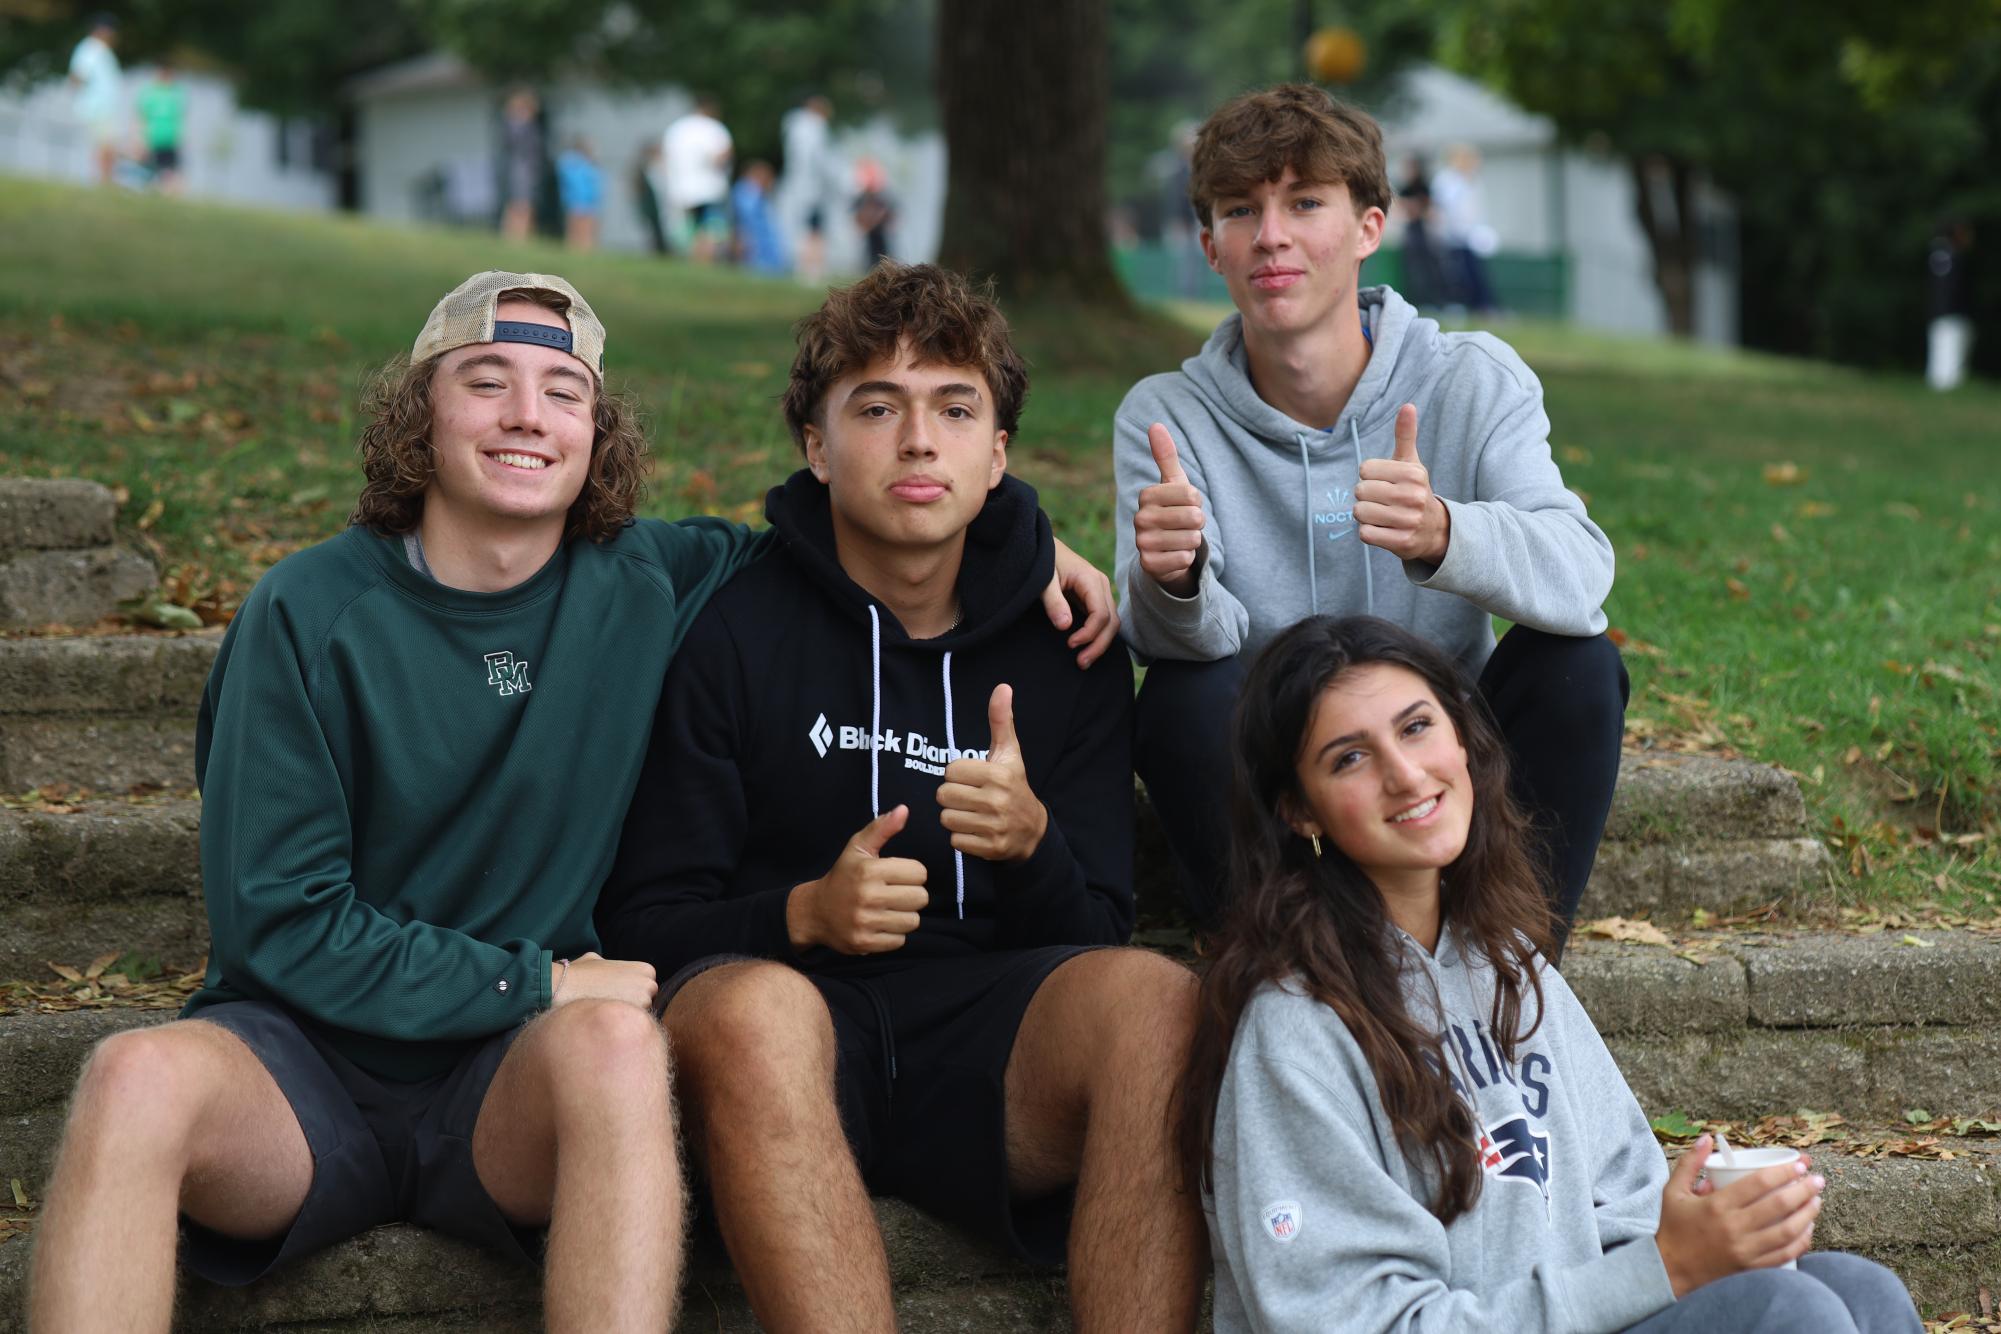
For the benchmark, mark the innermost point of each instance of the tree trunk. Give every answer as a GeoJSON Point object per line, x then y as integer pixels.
{"type": "Point", "coordinates": [1664, 199]}
{"type": "Point", "coordinates": [1024, 89]}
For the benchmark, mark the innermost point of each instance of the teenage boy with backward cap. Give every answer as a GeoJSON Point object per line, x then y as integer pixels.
{"type": "Point", "coordinates": [415, 750]}
{"type": "Point", "coordinates": [1331, 451]}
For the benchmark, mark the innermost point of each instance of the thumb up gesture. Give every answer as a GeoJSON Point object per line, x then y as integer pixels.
{"type": "Point", "coordinates": [988, 806]}
{"type": "Point", "coordinates": [1167, 526]}
{"type": "Point", "coordinates": [1394, 505]}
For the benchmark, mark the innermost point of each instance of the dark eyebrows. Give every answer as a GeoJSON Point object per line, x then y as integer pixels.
{"type": "Point", "coordinates": [959, 390]}
{"type": "Point", "coordinates": [1402, 714]}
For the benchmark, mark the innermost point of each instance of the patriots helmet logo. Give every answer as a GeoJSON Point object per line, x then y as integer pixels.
{"type": "Point", "coordinates": [1513, 1148]}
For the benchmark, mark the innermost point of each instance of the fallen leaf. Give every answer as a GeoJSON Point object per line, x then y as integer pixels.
{"type": "Point", "coordinates": [1737, 589]}
{"type": "Point", "coordinates": [1784, 474]}
{"type": "Point", "coordinates": [1913, 940]}
{"type": "Point", "coordinates": [21, 1200]}
{"type": "Point", "coordinates": [1625, 929]}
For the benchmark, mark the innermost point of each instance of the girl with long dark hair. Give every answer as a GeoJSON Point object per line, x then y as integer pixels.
{"type": "Point", "coordinates": [1402, 1119]}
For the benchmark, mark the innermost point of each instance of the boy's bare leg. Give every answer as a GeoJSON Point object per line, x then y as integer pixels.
{"type": "Point", "coordinates": [180, 1118]}
{"type": "Point", "coordinates": [754, 1050]}
{"type": "Point", "coordinates": [577, 1130]}
{"type": "Point", "coordinates": [1089, 1091]}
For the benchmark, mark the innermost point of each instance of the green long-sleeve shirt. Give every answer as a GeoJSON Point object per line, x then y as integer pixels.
{"type": "Point", "coordinates": [411, 793]}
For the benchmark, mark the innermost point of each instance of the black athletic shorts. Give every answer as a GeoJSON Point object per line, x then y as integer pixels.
{"type": "Point", "coordinates": [383, 1151]}
{"type": "Point", "coordinates": [922, 1081]}
{"type": "Point", "coordinates": [164, 159]}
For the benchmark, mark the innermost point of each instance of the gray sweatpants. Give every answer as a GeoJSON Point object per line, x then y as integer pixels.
{"type": "Point", "coordinates": [1830, 1293]}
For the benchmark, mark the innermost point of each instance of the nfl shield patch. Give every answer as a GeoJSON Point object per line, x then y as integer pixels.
{"type": "Point", "coordinates": [1283, 1219]}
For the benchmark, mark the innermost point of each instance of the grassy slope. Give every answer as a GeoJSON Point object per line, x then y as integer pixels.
{"type": "Point", "coordinates": [1810, 559]}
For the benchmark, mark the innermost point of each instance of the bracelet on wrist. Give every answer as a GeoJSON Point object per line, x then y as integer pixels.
{"type": "Point", "coordinates": [564, 965]}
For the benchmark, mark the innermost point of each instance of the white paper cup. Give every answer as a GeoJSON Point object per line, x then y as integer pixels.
{"type": "Point", "coordinates": [1748, 1161]}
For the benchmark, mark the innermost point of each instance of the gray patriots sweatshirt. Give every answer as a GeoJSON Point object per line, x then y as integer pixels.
{"type": "Point", "coordinates": [1278, 496]}
{"type": "Point", "coordinates": [1318, 1220]}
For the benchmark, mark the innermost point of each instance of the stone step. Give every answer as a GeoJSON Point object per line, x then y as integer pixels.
{"type": "Point", "coordinates": [1865, 1025]}
{"type": "Point", "coordinates": [406, 1279]}
{"type": "Point", "coordinates": [41, 513]}
{"type": "Point", "coordinates": [114, 875]}
{"type": "Point", "coordinates": [1862, 1025]}
{"type": "Point", "coordinates": [106, 712]}
{"type": "Point", "coordinates": [1936, 1223]}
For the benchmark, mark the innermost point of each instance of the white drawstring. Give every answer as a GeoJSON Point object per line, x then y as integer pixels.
{"type": "Point", "coordinates": [952, 753]}
{"type": "Point", "coordinates": [875, 711]}
{"type": "Point", "coordinates": [1312, 552]}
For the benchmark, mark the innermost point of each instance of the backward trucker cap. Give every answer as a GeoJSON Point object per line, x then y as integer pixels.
{"type": "Point", "coordinates": [466, 315]}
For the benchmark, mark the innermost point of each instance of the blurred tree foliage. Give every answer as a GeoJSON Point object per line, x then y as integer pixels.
{"type": "Point", "coordinates": [1845, 130]}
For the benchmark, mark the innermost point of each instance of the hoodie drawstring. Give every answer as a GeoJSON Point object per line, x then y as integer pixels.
{"type": "Point", "coordinates": [875, 742]}
{"type": "Point", "coordinates": [1312, 551]}
{"type": "Point", "coordinates": [952, 753]}
{"type": "Point", "coordinates": [875, 712]}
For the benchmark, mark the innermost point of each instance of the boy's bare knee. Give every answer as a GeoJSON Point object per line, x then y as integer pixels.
{"type": "Point", "coordinates": [145, 1089]}
{"type": "Point", "coordinates": [604, 1046]}
{"type": "Point", "coordinates": [754, 1018]}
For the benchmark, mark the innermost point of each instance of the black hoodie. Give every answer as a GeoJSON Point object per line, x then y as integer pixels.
{"type": "Point", "coordinates": [760, 768]}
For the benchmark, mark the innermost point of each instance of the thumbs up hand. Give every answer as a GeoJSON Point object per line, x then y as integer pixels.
{"type": "Point", "coordinates": [1167, 527]}
{"type": "Point", "coordinates": [1394, 505]}
{"type": "Point", "coordinates": [866, 903]}
{"type": "Point", "coordinates": [988, 805]}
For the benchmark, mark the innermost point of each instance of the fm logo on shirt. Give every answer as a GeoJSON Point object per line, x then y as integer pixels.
{"type": "Point", "coordinates": [511, 676]}
{"type": "Point", "coordinates": [1282, 1220]}
{"type": "Point", "coordinates": [1512, 1149]}
{"type": "Point", "coordinates": [914, 747]}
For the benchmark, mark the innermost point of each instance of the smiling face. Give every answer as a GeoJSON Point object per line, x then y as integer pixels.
{"type": "Point", "coordinates": [511, 431]}
{"type": "Point", "coordinates": [1383, 775]}
{"type": "Point", "coordinates": [1290, 251]}
{"type": "Point", "coordinates": [908, 451]}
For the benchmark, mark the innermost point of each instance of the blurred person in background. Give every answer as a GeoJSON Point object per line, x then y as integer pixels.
{"type": "Point", "coordinates": [810, 171]}
{"type": "Point", "coordinates": [1423, 279]}
{"type": "Point", "coordinates": [1462, 220]}
{"type": "Point", "coordinates": [646, 199]}
{"type": "Point", "coordinates": [163, 106]}
{"type": "Point", "coordinates": [754, 238]}
{"type": "Point", "coordinates": [98, 88]}
{"type": "Point", "coordinates": [874, 210]}
{"type": "Point", "coordinates": [697, 149]}
{"type": "Point", "coordinates": [521, 164]}
{"type": "Point", "coordinates": [580, 181]}
{"type": "Point", "coordinates": [1951, 332]}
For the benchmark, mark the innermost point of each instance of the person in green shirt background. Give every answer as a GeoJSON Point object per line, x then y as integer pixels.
{"type": "Point", "coordinates": [163, 106]}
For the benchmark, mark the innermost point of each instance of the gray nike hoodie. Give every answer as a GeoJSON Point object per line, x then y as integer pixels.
{"type": "Point", "coordinates": [1279, 498]}
{"type": "Point", "coordinates": [1318, 1220]}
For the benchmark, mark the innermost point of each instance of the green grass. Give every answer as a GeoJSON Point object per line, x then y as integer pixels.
{"type": "Point", "coordinates": [1809, 557]}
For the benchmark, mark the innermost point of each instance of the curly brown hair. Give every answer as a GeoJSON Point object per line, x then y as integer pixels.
{"type": "Point", "coordinates": [1253, 138]}
{"type": "Point", "coordinates": [397, 462]}
{"type": "Point", "coordinates": [945, 318]}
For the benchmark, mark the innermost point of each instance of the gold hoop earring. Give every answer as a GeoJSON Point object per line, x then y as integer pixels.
{"type": "Point", "coordinates": [1315, 838]}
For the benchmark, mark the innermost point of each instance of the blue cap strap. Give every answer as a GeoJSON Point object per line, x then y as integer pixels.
{"type": "Point", "coordinates": [542, 335]}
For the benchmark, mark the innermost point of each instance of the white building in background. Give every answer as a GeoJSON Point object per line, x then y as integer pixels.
{"type": "Point", "coordinates": [227, 152]}
{"type": "Point", "coordinates": [1543, 198]}
{"type": "Point", "coordinates": [427, 140]}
